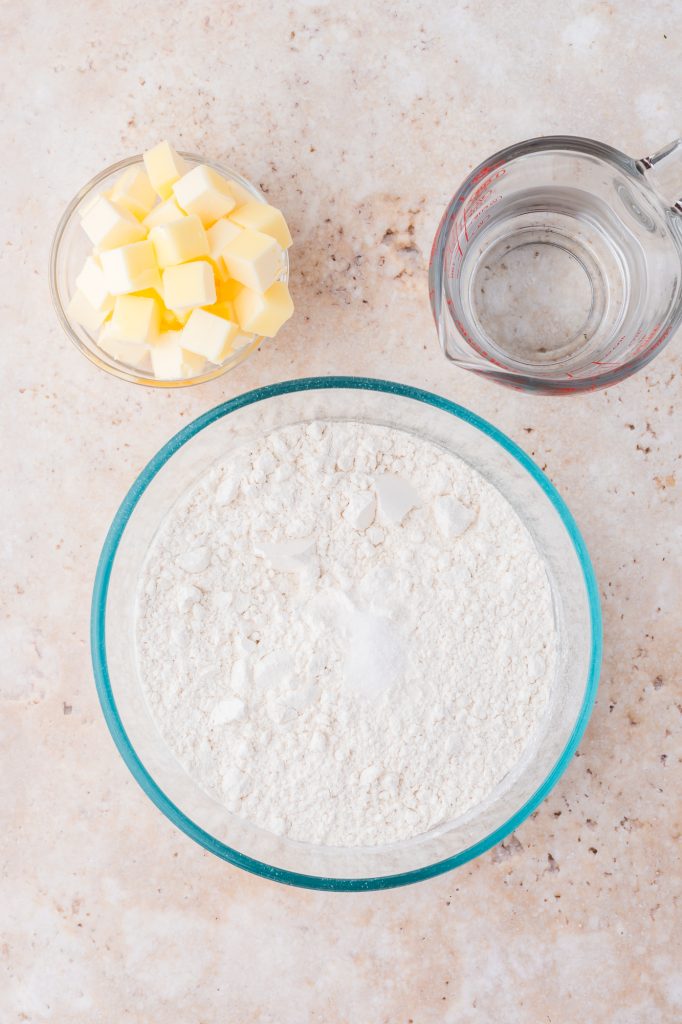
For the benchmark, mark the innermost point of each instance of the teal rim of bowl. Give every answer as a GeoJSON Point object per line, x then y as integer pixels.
{"type": "Point", "coordinates": [101, 671]}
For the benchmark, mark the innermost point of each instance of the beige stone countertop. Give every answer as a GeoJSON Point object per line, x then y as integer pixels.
{"type": "Point", "coordinates": [359, 120]}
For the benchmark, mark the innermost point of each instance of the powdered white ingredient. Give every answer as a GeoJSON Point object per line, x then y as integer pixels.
{"type": "Point", "coordinates": [345, 634]}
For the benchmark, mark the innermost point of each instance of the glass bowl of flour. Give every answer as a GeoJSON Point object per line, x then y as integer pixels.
{"type": "Point", "coordinates": [345, 633]}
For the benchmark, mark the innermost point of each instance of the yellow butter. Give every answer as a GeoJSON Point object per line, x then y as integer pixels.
{"type": "Point", "coordinates": [91, 283]}
{"type": "Point", "coordinates": [219, 235]}
{"type": "Point", "coordinates": [265, 218]}
{"type": "Point", "coordinates": [264, 314]}
{"type": "Point", "coordinates": [134, 191]}
{"type": "Point", "coordinates": [253, 259]}
{"type": "Point", "coordinates": [241, 194]}
{"type": "Point", "coordinates": [82, 312]}
{"type": "Point", "coordinates": [164, 213]}
{"type": "Point", "coordinates": [169, 320]}
{"type": "Point", "coordinates": [164, 167]}
{"type": "Point", "coordinates": [108, 225]}
{"type": "Point", "coordinates": [204, 192]}
{"type": "Point", "coordinates": [228, 290]}
{"type": "Point", "coordinates": [91, 200]}
{"type": "Point", "coordinates": [179, 241]}
{"type": "Point", "coordinates": [170, 361]}
{"type": "Point", "coordinates": [223, 309]}
{"type": "Point", "coordinates": [209, 335]}
{"type": "Point", "coordinates": [123, 351]}
{"type": "Point", "coordinates": [130, 268]}
{"type": "Point", "coordinates": [189, 285]}
{"type": "Point", "coordinates": [136, 319]}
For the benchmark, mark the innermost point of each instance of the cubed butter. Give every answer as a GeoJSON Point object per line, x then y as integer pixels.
{"type": "Point", "coordinates": [82, 312]}
{"type": "Point", "coordinates": [228, 290]}
{"type": "Point", "coordinates": [164, 167]}
{"type": "Point", "coordinates": [206, 193]}
{"type": "Point", "coordinates": [189, 285]}
{"type": "Point", "coordinates": [219, 235]}
{"type": "Point", "coordinates": [241, 194]}
{"type": "Point", "coordinates": [265, 218]}
{"type": "Point", "coordinates": [92, 284]}
{"type": "Point", "coordinates": [123, 351]}
{"type": "Point", "coordinates": [253, 259]}
{"type": "Point", "coordinates": [91, 200]}
{"type": "Point", "coordinates": [134, 192]}
{"type": "Point", "coordinates": [170, 361]}
{"type": "Point", "coordinates": [169, 320]}
{"type": "Point", "coordinates": [155, 286]}
{"type": "Point", "coordinates": [193, 363]}
{"type": "Point", "coordinates": [175, 319]}
{"type": "Point", "coordinates": [179, 241]}
{"type": "Point", "coordinates": [264, 314]}
{"type": "Point", "coordinates": [108, 225]}
{"type": "Point", "coordinates": [136, 318]}
{"type": "Point", "coordinates": [223, 309]}
{"type": "Point", "coordinates": [209, 335]}
{"type": "Point", "coordinates": [164, 213]}
{"type": "Point", "coordinates": [130, 268]}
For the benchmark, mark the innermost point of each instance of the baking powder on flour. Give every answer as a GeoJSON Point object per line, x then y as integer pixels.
{"type": "Point", "coordinates": [345, 634]}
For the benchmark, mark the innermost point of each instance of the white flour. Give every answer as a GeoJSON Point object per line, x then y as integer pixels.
{"type": "Point", "coordinates": [345, 634]}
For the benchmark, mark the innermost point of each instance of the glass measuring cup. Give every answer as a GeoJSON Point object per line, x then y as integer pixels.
{"type": "Point", "coordinates": [557, 266]}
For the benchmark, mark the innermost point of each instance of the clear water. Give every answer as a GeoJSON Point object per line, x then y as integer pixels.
{"type": "Point", "coordinates": [560, 279]}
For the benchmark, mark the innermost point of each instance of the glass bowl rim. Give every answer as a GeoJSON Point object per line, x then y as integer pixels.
{"type": "Point", "coordinates": [99, 656]}
{"type": "Point", "coordinates": [120, 370]}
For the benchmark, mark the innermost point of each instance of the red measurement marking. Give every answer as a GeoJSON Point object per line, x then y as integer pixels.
{"type": "Point", "coordinates": [486, 169]}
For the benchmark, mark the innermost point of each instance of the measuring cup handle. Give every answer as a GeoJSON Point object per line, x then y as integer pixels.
{"type": "Point", "coordinates": [663, 171]}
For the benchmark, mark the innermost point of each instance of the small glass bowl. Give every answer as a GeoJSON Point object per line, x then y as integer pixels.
{"type": "Point", "coordinates": [169, 475]}
{"type": "Point", "coordinates": [70, 248]}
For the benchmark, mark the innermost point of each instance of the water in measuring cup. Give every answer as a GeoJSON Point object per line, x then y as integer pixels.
{"type": "Point", "coordinates": [554, 279]}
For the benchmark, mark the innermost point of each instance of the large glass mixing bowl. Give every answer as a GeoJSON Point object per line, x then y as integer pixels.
{"type": "Point", "coordinates": [576, 605]}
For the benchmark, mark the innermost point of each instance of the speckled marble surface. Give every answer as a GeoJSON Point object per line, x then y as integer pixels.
{"type": "Point", "coordinates": [359, 120]}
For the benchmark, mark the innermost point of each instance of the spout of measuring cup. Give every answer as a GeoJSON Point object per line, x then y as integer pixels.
{"type": "Point", "coordinates": [663, 171]}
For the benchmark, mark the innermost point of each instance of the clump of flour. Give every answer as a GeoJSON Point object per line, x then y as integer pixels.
{"type": "Point", "coordinates": [345, 634]}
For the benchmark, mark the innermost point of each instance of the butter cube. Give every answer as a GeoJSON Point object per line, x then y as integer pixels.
{"type": "Point", "coordinates": [136, 319]}
{"type": "Point", "coordinates": [189, 285]}
{"type": "Point", "coordinates": [90, 202]}
{"type": "Point", "coordinates": [264, 314]}
{"type": "Point", "coordinates": [170, 361]}
{"type": "Point", "coordinates": [253, 259]}
{"type": "Point", "coordinates": [209, 335]}
{"type": "Point", "coordinates": [154, 285]}
{"type": "Point", "coordinates": [203, 191]}
{"type": "Point", "coordinates": [130, 268]}
{"type": "Point", "coordinates": [175, 319]}
{"type": "Point", "coordinates": [82, 312]}
{"type": "Point", "coordinates": [219, 235]}
{"type": "Point", "coordinates": [265, 218]}
{"type": "Point", "coordinates": [169, 320]}
{"type": "Point", "coordinates": [123, 351]}
{"type": "Point", "coordinates": [164, 167]}
{"type": "Point", "coordinates": [179, 241]}
{"type": "Point", "coordinates": [134, 191]}
{"type": "Point", "coordinates": [108, 225]}
{"type": "Point", "coordinates": [193, 363]}
{"type": "Point", "coordinates": [241, 194]}
{"type": "Point", "coordinates": [164, 213]}
{"type": "Point", "coordinates": [92, 284]}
